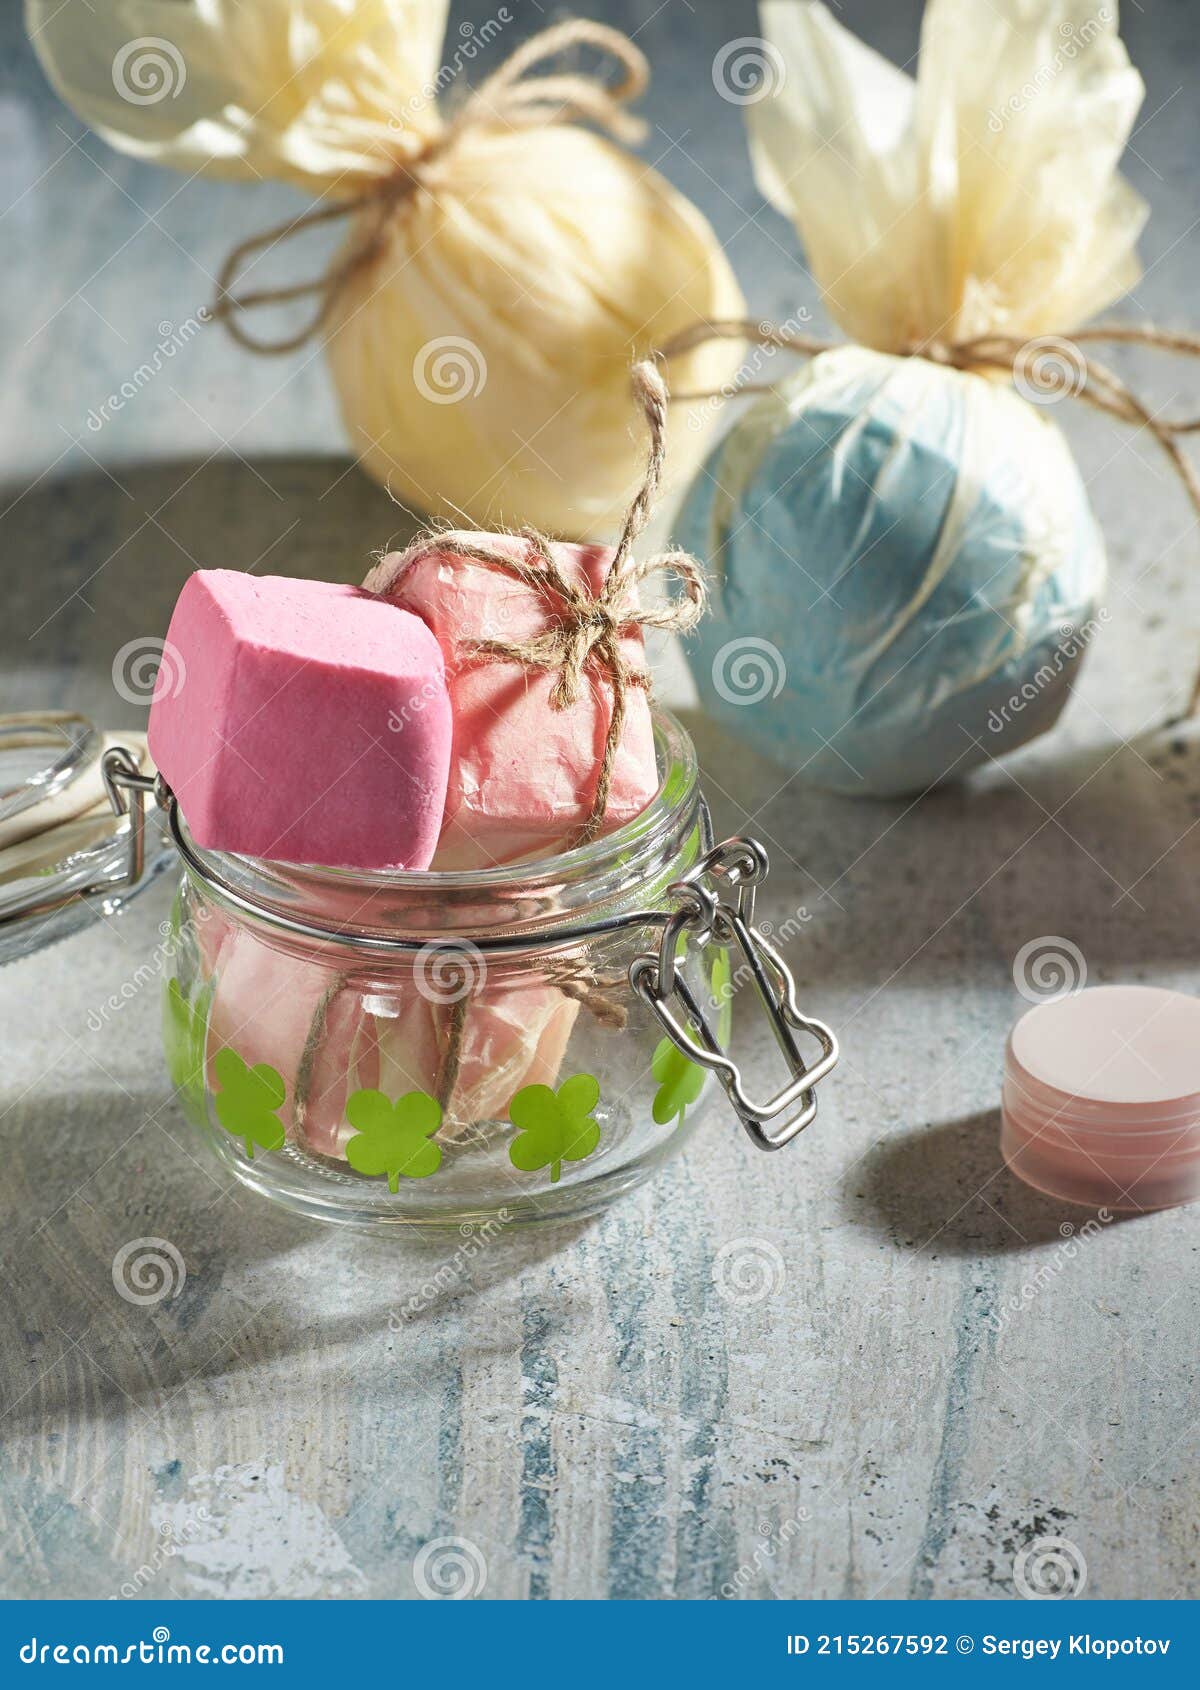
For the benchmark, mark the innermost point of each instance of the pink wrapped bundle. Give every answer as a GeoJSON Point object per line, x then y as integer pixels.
{"type": "Point", "coordinates": [524, 763]}
{"type": "Point", "coordinates": [303, 1021]}
{"type": "Point", "coordinates": [313, 1027]}
{"type": "Point", "coordinates": [513, 1034]}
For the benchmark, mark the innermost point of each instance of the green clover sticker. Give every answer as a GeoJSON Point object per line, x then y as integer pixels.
{"type": "Point", "coordinates": [185, 1031]}
{"type": "Point", "coordinates": [680, 1082]}
{"type": "Point", "coordinates": [555, 1126]}
{"type": "Point", "coordinates": [247, 1101]}
{"type": "Point", "coordinates": [394, 1138]}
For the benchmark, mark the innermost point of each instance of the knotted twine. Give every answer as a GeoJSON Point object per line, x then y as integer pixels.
{"type": "Point", "coordinates": [512, 98]}
{"type": "Point", "coordinates": [1048, 366]}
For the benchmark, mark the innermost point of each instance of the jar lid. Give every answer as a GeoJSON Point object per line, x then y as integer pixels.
{"type": "Point", "coordinates": [1101, 1099]}
{"type": "Point", "coordinates": [64, 851]}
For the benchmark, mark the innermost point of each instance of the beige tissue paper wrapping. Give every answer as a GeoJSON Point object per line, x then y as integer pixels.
{"type": "Point", "coordinates": [981, 197]}
{"type": "Point", "coordinates": [482, 357]}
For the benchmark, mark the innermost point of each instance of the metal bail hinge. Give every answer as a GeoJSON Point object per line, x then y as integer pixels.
{"type": "Point", "coordinates": [127, 790]}
{"type": "Point", "coordinates": [715, 905]}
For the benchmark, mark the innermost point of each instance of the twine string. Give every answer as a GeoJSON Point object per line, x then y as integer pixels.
{"type": "Point", "coordinates": [513, 97]}
{"type": "Point", "coordinates": [1089, 379]}
{"type": "Point", "coordinates": [450, 1062]}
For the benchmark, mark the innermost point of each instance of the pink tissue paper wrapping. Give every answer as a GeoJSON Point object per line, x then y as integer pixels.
{"type": "Point", "coordinates": [314, 1027]}
{"type": "Point", "coordinates": [522, 775]}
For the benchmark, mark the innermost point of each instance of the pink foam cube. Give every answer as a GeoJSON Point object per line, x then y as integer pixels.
{"type": "Point", "coordinates": [303, 721]}
{"type": "Point", "coordinates": [522, 775]}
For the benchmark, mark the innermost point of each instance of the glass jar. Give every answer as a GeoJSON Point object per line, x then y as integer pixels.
{"type": "Point", "coordinates": [425, 1047]}
{"type": "Point", "coordinates": [521, 1043]}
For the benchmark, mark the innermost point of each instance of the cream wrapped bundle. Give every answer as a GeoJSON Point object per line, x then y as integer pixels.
{"type": "Point", "coordinates": [500, 274]}
{"type": "Point", "coordinates": [908, 567]}
{"type": "Point", "coordinates": [981, 198]}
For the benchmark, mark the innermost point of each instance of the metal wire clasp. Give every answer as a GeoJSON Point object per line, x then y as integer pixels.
{"type": "Point", "coordinates": [127, 790]}
{"type": "Point", "coordinates": [715, 905]}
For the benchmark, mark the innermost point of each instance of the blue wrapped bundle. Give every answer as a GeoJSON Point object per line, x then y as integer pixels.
{"type": "Point", "coordinates": [906, 572]}
{"type": "Point", "coordinates": [906, 565]}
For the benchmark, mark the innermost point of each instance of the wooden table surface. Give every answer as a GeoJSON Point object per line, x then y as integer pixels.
{"type": "Point", "coordinates": [922, 1370]}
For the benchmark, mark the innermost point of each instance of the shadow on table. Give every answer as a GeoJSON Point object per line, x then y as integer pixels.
{"type": "Point", "coordinates": [934, 892]}
{"type": "Point", "coordinates": [944, 1189]}
{"type": "Point", "coordinates": [135, 1267]}
{"type": "Point", "coordinates": [97, 559]}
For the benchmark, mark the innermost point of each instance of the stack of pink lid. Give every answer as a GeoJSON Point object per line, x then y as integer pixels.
{"type": "Point", "coordinates": [1102, 1098]}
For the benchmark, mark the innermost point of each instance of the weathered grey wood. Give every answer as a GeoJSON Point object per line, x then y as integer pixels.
{"type": "Point", "coordinates": [585, 1407]}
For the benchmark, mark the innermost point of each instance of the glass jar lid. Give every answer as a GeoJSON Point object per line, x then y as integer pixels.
{"type": "Point", "coordinates": [64, 846]}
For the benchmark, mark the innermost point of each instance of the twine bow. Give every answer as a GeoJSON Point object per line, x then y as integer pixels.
{"type": "Point", "coordinates": [1046, 366]}
{"type": "Point", "coordinates": [512, 98]}
{"type": "Point", "coordinates": [583, 632]}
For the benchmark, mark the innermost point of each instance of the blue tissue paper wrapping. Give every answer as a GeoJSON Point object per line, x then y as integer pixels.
{"type": "Point", "coordinates": [905, 572]}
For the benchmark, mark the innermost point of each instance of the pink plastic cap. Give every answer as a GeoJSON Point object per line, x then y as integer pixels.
{"type": "Point", "coordinates": [1101, 1098]}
